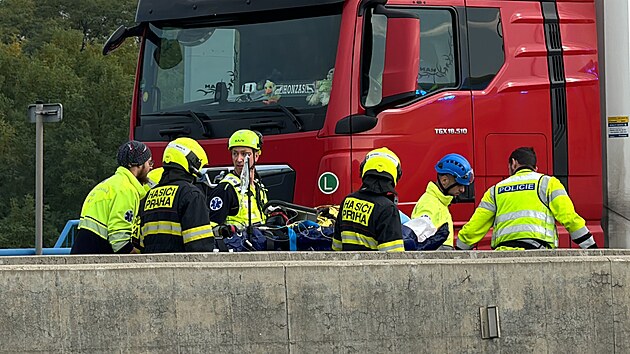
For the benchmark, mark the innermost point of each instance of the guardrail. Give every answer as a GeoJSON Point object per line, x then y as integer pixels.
{"type": "Point", "coordinates": [31, 251]}
{"type": "Point", "coordinates": [62, 246]}
{"type": "Point", "coordinates": [68, 230]}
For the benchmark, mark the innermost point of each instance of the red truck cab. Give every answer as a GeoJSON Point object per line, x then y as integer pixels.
{"type": "Point", "coordinates": [325, 81]}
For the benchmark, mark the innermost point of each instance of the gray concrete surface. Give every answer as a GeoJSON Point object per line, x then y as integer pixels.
{"type": "Point", "coordinates": [302, 256]}
{"type": "Point", "coordinates": [549, 302]}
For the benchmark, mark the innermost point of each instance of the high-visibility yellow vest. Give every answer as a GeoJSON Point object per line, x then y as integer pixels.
{"type": "Point", "coordinates": [242, 217]}
{"type": "Point", "coordinates": [524, 206]}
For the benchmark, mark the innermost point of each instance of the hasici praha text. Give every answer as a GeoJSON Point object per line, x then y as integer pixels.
{"type": "Point", "coordinates": [160, 197]}
{"type": "Point", "coordinates": [357, 211]}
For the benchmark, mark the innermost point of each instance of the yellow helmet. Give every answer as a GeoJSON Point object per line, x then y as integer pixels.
{"type": "Point", "coordinates": [382, 160]}
{"type": "Point", "coordinates": [154, 176]}
{"type": "Point", "coordinates": [248, 138]}
{"type": "Point", "coordinates": [187, 153]}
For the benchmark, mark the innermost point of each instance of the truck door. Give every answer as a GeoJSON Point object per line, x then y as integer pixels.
{"type": "Point", "coordinates": [439, 120]}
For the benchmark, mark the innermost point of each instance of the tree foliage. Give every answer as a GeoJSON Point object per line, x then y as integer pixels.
{"type": "Point", "coordinates": [51, 50]}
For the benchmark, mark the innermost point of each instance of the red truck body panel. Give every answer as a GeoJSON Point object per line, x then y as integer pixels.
{"type": "Point", "coordinates": [513, 110]}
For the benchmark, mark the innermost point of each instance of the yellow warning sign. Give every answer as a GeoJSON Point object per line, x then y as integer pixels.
{"type": "Point", "coordinates": [618, 127]}
{"type": "Point", "coordinates": [618, 119]}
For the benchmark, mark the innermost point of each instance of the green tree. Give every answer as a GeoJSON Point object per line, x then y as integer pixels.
{"type": "Point", "coordinates": [51, 50]}
{"type": "Point", "coordinates": [19, 222]}
{"type": "Point", "coordinates": [95, 19]}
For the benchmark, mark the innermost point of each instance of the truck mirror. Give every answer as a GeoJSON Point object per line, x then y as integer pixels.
{"type": "Point", "coordinates": [402, 55]}
{"type": "Point", "coordinates": [118, 37]}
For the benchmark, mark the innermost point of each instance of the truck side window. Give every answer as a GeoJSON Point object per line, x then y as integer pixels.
{"type": "Point", "coordinates": [373, 81]}
{"type": "Point", "coordinates": [486, 45]}
{"type": "Point", "coordinates": [438, 64]}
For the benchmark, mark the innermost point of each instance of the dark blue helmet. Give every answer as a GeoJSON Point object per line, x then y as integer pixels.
{"type": "Point", "coordinates": [457, 166]}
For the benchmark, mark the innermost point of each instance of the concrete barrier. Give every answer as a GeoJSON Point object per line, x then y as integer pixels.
{"type": "Point", "coordinates": [548, 301]}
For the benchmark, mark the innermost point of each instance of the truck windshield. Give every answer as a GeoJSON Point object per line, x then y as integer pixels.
{"type": "Point", "coordinates": [275, 77]}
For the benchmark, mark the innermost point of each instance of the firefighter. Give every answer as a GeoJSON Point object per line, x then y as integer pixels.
{"type": "Point", "coordinates": [108, 212]}
{"type": "Point", "coordinates": [174, 214]}
{"type": "Point", "coordinates": [523, 208]}
{"type": "Point", "coordinates": [454, 174]}
{"type": "Point", "coordinates": [231, 204]}
{"type": "Point", "coordinates": [154, 177]}
{"type": "Point", "coordinates": [368, 219]}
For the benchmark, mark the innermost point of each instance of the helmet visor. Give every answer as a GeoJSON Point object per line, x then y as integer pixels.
{"type": "Point", "coordinates": [466, 179]}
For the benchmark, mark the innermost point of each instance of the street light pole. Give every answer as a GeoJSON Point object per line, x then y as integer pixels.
{"type": "Point", "coordinates": [40, 113]}
{"type": "Point", "coordinates": [39, 178]}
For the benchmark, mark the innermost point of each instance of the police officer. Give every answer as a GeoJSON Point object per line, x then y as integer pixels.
{"type": "Point", "coordinates": [108, 212]}
{"type": "Point", "coordinates": [523, 209]}
{"type": "Point", "coordinates": [174, 214]}
{"type": "Point", "coordinates": [454, 174]}
{"type": "Point", "coordinates": [227, 202]}
{"type": "Point", "coordinates": [368, 219]}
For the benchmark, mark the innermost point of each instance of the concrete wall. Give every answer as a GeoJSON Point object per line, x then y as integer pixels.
{"type": "Point", "coordinates": [549, 301]}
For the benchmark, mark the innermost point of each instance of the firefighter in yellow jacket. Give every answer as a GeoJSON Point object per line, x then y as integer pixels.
{"type": "Point", "coordinates": [108, 212]}
{"type": "Point", "coordinates": [368, 219]}
{"type": "Point", "coordinates": [231, 202]}
{"type": "Point", "coordinates": [523, 210]}
{"type": "Point", "coordinates": [454, 174]}
{"type": "Point", "coordinates": [174, 214]}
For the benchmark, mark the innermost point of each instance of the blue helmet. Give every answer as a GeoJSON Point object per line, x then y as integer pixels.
{"type": "Point", "coordinates": [457, 166]}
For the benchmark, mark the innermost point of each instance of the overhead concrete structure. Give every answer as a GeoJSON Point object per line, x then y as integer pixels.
{"type": "Point", "coordinates": [548, 301]}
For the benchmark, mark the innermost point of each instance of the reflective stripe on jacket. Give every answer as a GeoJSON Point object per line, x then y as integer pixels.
{"type": "Point", "coordinates": [367, 221]}
{"type": "Point", "coordinates": [524, 206]}
{"type": "Point", "coordinates": [433, 205]}
{"type": "Point", "coordinates": [174, 216]}
{"type": "Point", "coordinates": [110, 208]}
{"type": "Point", "coordinates": [258, 198]}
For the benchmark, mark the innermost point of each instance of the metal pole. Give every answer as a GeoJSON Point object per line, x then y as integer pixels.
{"type": "Point", "coordinates": [39, 179]}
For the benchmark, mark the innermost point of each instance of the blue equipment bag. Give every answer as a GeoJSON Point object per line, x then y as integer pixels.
{"type": "Point", "coordinates": [312, 237]}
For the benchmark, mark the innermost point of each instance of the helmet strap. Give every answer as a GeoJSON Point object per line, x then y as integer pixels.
{"type": "Point", "coordinates": [443, 189]}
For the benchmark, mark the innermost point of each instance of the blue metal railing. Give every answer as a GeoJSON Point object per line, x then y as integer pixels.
{"type": "Point", "coordinates": [68, 230]}
{"type": "Point", "coordinates": [62, 246]}
{"type": "Point", "coordinates": [31, 251]}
